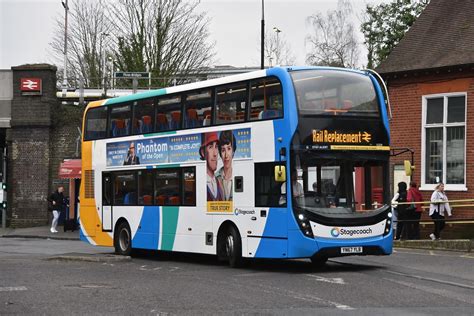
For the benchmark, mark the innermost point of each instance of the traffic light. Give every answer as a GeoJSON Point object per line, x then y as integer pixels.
{"type": "Point", "coordinates": [4, 186]}
{"type": "Point", "coordinates": [4, 205]}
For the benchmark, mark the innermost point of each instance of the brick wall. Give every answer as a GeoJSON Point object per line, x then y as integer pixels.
{"type": "Point", "coordinates": [29, 147]}
{"type": "Point", "coordinates": [406, 94]}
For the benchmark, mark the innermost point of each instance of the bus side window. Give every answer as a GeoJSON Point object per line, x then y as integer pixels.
{"type": "Point", "coordinates": [143, 116]}
{"type": "Point", "coordinates": [168, 114]}
{"type": "Point", "coordinates": [198, 107]}
{"type": "Point", "coordinates": [145, 187]}
{"type": "Point", "coordinates": [167, 191]}
{"type": "Point", "coordinates": [125, 188]}
{"type": "Point", "coordinates": [266, 99]}
{"type": "Point", "coordinates": [231, 103]}
{"type": "Point", "coordinates": [96, 123]}
{"type": "Point", "coordinates": [189, 186]}
{"type": "Point", "coordinates": [120, 120]}
{"type": "Point", "coordinates": [268, 192]}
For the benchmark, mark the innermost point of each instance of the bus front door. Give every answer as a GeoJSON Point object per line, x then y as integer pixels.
{"type": "Point", "coordinates": [107, 187]}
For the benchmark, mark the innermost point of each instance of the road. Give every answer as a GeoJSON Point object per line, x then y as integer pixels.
{"type": "Point", "coordinates": [34, 281]}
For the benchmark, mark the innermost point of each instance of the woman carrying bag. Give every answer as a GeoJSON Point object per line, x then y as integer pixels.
{"type": "Point", "coordinates": [437, 210]}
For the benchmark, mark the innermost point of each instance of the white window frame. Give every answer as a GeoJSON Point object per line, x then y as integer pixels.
{"type": "Point", "coordinates": [444, 125]}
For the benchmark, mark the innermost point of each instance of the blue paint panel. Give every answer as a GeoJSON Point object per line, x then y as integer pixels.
{"type": "Point", "coordinates": [303, 247]}
{"type": "Point", "coordinates": [82, 236]}
{"type": "Point", "coordinates": [276, 226]}
{"type": "Point", "coordinates": [147, 236]}
{"type": "Point", "coordinates": [272, 248]}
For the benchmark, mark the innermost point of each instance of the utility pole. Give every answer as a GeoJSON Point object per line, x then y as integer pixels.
{"type": "Point", "coordinates": [262, 44]}
{"type": "Point", "coordinates": [66, 9]}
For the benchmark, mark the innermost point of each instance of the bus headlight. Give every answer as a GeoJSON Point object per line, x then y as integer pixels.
{"type": "Point", "coordinates": [304, 224]}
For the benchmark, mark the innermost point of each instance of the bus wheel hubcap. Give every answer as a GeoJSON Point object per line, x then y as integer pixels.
{"type": "Point", "coordinates": [229, 245]}
{"type": "Point", "coordinates": [124, 239]}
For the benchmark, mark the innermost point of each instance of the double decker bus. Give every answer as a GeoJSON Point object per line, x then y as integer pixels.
{"type": "Point", "coordinates": [277, 163]}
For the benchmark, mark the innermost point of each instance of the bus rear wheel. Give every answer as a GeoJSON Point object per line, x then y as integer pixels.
{"type": "Point", "coordinates": [233, 247]}
{"type": "Point", "coordinates": [123, 240]}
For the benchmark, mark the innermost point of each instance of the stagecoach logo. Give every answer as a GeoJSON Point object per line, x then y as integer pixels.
{"type": "Point", "coordinates": [333, 137]}
{"type": "Point", "coordinates": [238, 211]}
{"type": "Point", "coordinates": [336, 232]}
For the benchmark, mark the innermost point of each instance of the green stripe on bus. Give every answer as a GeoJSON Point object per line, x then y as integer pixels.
{"type": "Point", "coordinates": [160, 134]}
{"type": "Point", "coordinates": [170, 222]}
{"type": "Point", "coordinates": [167, 166]}
{"type": "Point", "coordinates": [134, 97]}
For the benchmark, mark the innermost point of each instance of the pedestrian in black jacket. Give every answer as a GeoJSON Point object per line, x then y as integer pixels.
{"type": "Point", "coordinates": [56, 200]}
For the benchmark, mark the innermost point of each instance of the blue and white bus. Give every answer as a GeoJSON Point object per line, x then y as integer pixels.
{"type": "Point", "coordinates": [277, 163]}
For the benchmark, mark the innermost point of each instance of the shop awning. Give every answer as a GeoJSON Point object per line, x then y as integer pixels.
{"type": "Point", "coordinates": [70, 169]}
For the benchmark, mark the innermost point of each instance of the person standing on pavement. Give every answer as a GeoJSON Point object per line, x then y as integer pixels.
{"type": "Point", "coordinates": [437, 210]}
{"type": "Point", "coordinates": [57, 201]}
{"type": "Point", "coordinates": [414, 195]}
{"type": "Point", "coordinates": [400, 197]}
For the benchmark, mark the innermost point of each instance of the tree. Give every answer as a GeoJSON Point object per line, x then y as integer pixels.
{"type": "Point", "coordinates": [333, 41]}
{"type": "Point", "coordinates": [87, 21]}
{"type": "Point", "coordinates": [384, 25]}
{"type": "Point", "coordinates": [277, 49]}
{"type": "Point", "coordinates": [164, 37]}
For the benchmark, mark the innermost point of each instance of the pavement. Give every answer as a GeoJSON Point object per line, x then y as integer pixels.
{"type": "Point", "coordinates": [43, 232]}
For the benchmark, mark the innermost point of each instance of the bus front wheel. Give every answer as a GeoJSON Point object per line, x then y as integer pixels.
{"type": "Point", "coordinates": [319, 261]}
{"type": "Point", "coordinates": [233, 247]}
{"type": "Point", "coordinates": [123, 240]}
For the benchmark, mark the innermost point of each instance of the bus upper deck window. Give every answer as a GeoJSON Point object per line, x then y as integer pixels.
{"type": "Point", "coordinates": [96, 123]}
{"type": "Point", "coordinates": [143, 116]}
{"type": "Point", "coordinates": [266, 99]}
{"type": "Point", "coordinates": [231, 103]}
{"type": "Point", "coordinates": [168, 113]}
{"type": "Point", "coordinates": [198, 109]}
{"type": "Point", "coordinates": [120, 119]}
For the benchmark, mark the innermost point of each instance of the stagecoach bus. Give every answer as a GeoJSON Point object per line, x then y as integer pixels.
{"type": "Point", "coordinates": [277, 163]}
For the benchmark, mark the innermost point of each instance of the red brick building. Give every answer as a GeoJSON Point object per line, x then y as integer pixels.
{"type": "Point", "coordinates": [430, 78]}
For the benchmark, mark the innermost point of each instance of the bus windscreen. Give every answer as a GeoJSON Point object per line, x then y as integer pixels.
{"type": "Point", "coordinates": [323, 92]}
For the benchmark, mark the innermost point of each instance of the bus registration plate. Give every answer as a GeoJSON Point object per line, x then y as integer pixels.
{"type": "Point", "coordinates": [351, 250]}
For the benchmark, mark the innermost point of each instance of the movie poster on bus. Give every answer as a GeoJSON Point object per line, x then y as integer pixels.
{"type": "Point", "coordinates": [219, 150]}
{"type": "Point", "coordinates": [145, 151]}
{"type": "Point", "coordinates": [184, 148]}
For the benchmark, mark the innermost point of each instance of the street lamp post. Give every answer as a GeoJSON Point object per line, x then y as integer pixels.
{"type": "Point", "coordinates": [102, 36]}
{"type": "Point", "coordinates": [262, 44]}
{"type": "Point", "coordinates": [66, 9]}
{"type": "Point", "coordinates": [277, 48]}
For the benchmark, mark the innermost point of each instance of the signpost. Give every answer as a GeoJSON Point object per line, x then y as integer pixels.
{"type": "Point", "coordinates": [132, 75]}
{"type": "Point", "coordinates": [135, 76]}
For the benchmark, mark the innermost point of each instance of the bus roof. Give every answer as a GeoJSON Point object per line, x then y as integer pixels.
{"type": "Point", "coordinates": [211, 83]}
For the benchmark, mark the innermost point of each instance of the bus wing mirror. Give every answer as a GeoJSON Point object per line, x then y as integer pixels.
{"type": "Point", "coordinates": [280, 173]}
{"type": "Point", "coordinates": [408, 168]}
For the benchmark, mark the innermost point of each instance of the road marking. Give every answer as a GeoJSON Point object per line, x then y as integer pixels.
{"type": "Point", "coordinates": [466, 286]}
{"type": "Point", "coordinates": [327, 280]}
{"type": "Point", "coordinates": [13, 288]}
{"type": "Point", "coordinates": [304, 297]}
{"type": "Point", "coordinates": [451, 295]}
{"type": "Point", "coordinates": [467, 256]}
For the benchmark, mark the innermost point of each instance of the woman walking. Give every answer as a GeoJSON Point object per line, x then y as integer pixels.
{"type": "Point", "coordinates": [437, 210]}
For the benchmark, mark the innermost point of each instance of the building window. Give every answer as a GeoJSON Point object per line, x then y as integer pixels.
{"type": "Point", "coordinates": [444, 140]}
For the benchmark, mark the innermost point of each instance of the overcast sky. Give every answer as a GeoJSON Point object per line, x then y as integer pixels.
{"type": "Point", "coordinates": [26, 28]}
